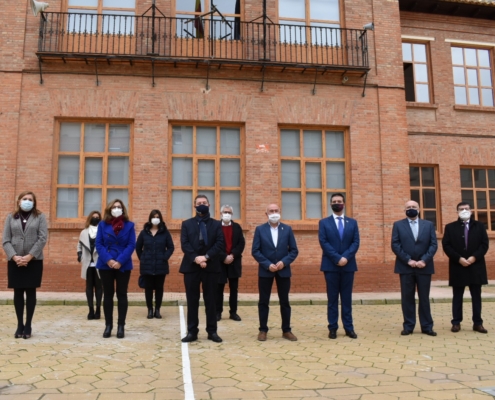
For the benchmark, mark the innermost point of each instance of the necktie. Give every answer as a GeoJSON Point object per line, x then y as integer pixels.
{"type": "Point", "coordinates": [466, 233]}
{"type": "Point", "coordinates": [415, 229]}
{"type": "Point", "coordinates": [341, 227]}
{"type": "Point", "coordinates": [202, 231]}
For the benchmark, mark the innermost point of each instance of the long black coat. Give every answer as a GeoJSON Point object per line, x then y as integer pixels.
{"type": "Point", "coordinates": [154, 251]}
{"type": "Point", "coordinates": [455, 248]}
{"type": "Point", "coordinates": [233, 270]}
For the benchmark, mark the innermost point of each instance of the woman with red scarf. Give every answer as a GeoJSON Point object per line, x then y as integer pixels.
{"type": "Point", "coordinates": [115, 243]}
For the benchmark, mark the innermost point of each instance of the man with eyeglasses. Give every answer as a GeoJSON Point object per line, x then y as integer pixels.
{"type": "Point", "coordinates": [466, 242]}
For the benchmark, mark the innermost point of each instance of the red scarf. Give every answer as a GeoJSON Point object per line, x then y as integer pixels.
{"type": "Point", "coordinates": [117, 224]}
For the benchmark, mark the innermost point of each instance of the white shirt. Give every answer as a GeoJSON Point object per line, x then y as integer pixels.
{"type": "Point", "coordinates": [224, 224]}
{"type": "Point", "coordinates": [335, 216]}
{"type": "Point", "coordinates": [274, 232]}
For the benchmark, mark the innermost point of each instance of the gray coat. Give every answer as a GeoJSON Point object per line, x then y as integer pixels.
{"type": "Point", "coordinates": [30, 241]}
{"type": "Point", "coordinates": [84, 247]}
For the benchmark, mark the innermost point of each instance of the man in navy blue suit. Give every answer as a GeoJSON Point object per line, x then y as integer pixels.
{"type": "Point", "coordinates": [414, 242]}
{"type": "Point", "coordinates": [339, 240]}
{"type": "Point", "coordinates": [274, 248]}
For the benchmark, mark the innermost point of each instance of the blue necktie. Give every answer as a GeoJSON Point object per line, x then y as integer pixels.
{"type": "Point", "coordinates": [341, 228]}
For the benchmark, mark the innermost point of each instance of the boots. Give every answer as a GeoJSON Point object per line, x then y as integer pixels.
{"type": "Point", "coordinates": [157, 313]}
{"type": "Point", "coordinates": [108, 331]}
{"type": "Point", "coordinates": [120, 331]}
{"type": "Point", "coordinates": [98, 312]}
{"type": "Point", "coordinates": [150, 313]}
{"type": "Point", "coordinates": [91, 314]}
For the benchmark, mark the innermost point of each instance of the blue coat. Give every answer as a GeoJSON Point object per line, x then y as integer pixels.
{"type": "Point", "coordinates": [117, 247]}
{"type": "Point", "coordinates": [406, 248]}
{"type": "Point", "coordinates": [335, 248]}
{"type": "Point", "coordinates": [265, 253]}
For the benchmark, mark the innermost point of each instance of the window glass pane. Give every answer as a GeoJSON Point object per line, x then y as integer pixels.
{"type": "Point", "coordinates": [414, 176]}
{"type": "Point", "coordinates": [291, 9]}
{"type": "Point", "coordinates": [182, 172]}
{"type": "Point", "coordinates": [94, 138]}
{"type": "Point", "coordinates": [92, 200]}
{"type": "Point", "coordinates": [481, 200]}
{"type": "Point", "coordinates": [324, 10]}
{"type": "Point", "coordinates": [457, 56]}
{"type": "Point", "coordinates": [118, 171]}
{"type": "Point", "coordinates": [470, 57]}
{"type": "Point", "coordinates": [483, 218]}
{"type": "Point", "coordinates": [419, 52]}
{"type": "Point", "coordinates": [422, 93]}
{"type": "Point", "coordinates": [121, 194]}
{"type": "Point", "coordinates": [292, 32]}
{"type": "Point", "coordinates": [325, 34]}
{"type": "Point", "coordinates": [312, 144]}
{"type": "Point", "coordinates": [122, 24]}
{"type": "Point", "coordinates": [291, 205]}
{"type": "Point", "coordinates": [491, 178]}
{"type": "Point", "coordinates": [466, 178]}
{"type": "Point", "coordinates": [190, 5]}
{"type": "Point", "coordinates": [472, 76]}
{"type": "Point", "coordinates": [334, 144]}
{"type": "Point", "coordinates": [468, 197]}
{"type": "Point", "coordinates": [206, 173]}
{"type": "Point", "coordinates": [230, 173]}
{"type": "Point", "coordinates": [228, 6]}
{"type": "Point", "coordinates": [233, 199]}
{"type": "Point", "coordinates": [182, 206]}
{"type": "Point", "coordinates": [415, 196]}
{"type": "Point", "coordinates": [182, 139]}
{"type": "Point", "coordinates": [484, 58]}
{"type": "Point", "coordinates": [480, 178]}
{"type": "Point", "coordinates": [406, 52]}
{"type": "Point", "coordinates": [230, 141]}
{"type": "Point", "coordinates": [67, 203]}
{"type": "Point", "coordinates": [70, 135]}
{"type": "Point", "coordinates": [93, 171]}
{"type": "Point", "coordinates": [492, 219]}
{"type": "Point", "coordinates": [459, 77]}
{"type": "Point", "coordinates": [335, 175]}
{"type": "Point", "coordinates": [291, 174]}
{"type": "Point", "coordinates": [460, 95]}
{"type": "Point", "coordinates": [84, 3]}
{"type": "Point", "coordinates": [474, 96]}
{"type": "Point", "coordinates": [68, 170]}
{"type": "Point", "coordinates": [289, 143]}
{"type": "Point", "coordinates": [486, 77]}
{"type": "Point", "coordinates": [82, 21]}
{"type": "Point", "coordinates": [421, 72]}
{"type": "Point", "coordinates": [431, 216]}
{"type": "Point", "coordinates": [313, 205]}
{"type": "Point", "coordinates": [120, 3]}
{"type": "Point", "coordinates": [429, 198]}
{"type": "Point", "coordinates": [492, 199]}
{"type": "Point", "coordinates": [313, 176]}
{"type": "Point", "coordinates": [428, 176]}
{"type": "Point", "coordinates": [119, 138]}
{"type": "Point", "coordinates": [211, 198]}
{"type": "Point", "coordinates": [206, 140]}
{"type": "Point", "coordinates": [487, 97]}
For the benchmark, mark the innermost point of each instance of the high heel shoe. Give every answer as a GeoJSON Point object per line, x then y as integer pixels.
{"type": "Point", "coordinates": [120, 332]}
{"type": "Point", "coordinates": [19, 332]}
{"type": "Point", "coordinates": [108, 331]}
{"type": "Point", "coordinates": [157, 313]}
{"type": "Point", "coordinates": [150, 313]}
{"type": "Point", "coordinates": [27, 333]}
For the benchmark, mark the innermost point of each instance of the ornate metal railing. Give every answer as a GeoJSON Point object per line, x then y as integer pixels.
{"type": "Point", "coordinates": [230, 40]}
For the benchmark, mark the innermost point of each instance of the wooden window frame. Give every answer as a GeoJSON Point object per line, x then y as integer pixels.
{"type": "Point", "coordinates": [99, 9]}
{"type": "Point", "coordinates": [207, 9]}
{"type": "Point", "coordinates": [474, 204]}
{"type": "Point", "coordinates": [82, 158]}
{"type": "Point", "coordinates": [436, 187]}
{"type": "Point", "coordinates": [428, 69]}
{"type": "Point", "coordinates": [307, 20]}
{"type": "Point", "coordinates": [326, 193]}
{"type": "Point", "coordinates": [195, 188]}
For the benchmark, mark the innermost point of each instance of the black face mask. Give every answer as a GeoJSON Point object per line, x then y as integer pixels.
{"type": "Point", "coordinates": [202, 209]}
{"type": "Point", "coordinates": [337, 207]}
{"type": "Point", "coordinates": [412, 213]}
{"type": "Point", "coordinates": [94, 221]}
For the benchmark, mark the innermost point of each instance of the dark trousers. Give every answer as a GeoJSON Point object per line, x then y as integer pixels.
{"type": "Point", "coordinates": [339, 283]}
{"type": "Point", "coordinates": [234, 289]}
{"type": "Point", "coordinates": [408, 285]}
{"type": "Point", "coordinates": [265, 289]}
{"type": "Point", "coordinates": [458, 292]}
{"type": "Point", "coordinates": [93, 284]}
{"type": "Point", "coordinates": [193, 282]}
{"type": "Point", "coordinates": [115, 281]}
{"type": "Point", "coordinates": [153, 282]}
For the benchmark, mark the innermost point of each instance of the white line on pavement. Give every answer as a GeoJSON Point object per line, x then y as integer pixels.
{"type": "Point", "coordinates": [186, 363]}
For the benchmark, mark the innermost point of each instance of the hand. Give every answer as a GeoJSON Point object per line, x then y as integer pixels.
{"type": "Point", "coordinates": [79, 255]}
{"type": "Point", "coordinates": [25, 259]}
{"type": "Point", "coordinates": [412, 263]}
{"type": "Point", "coordinates": [19, 261]}
{"type": "Point", "coordinates": [117, 265]}
{"type": "Point", "coordinates": [200, 259]}
{"type": "Point", "coordinates": [273, 268]}
{"type": "Point", "coordinates": [471, 260]}
{"type": "Point", "coordinates": [342, 262]}
{"type": "Point", "coordinates": [111, 263]}
{"type": "Point", "coordinates": [279, 265]}
{"type": "Point", "coordinates": [420, 264]}
{"type": "Point", "coordinates": [464, 262]}
{"type": "Point", "coordinates": [231, 258]}
{"type": "Point", "coordinates": [203, 265]}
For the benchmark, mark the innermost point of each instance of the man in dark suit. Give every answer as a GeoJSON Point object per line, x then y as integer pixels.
{"type": "Point", "coordinates": [201, 240]}
{"type": "Point", "coordinates": [414, 242]}
{"type": "Point", "coordinates": [465, 242]}
{"type": "Point", "coordinates": [231, 257]}
{"type": "Point", "coordinates": [274, 248]}
{"type": "Point", "coordinates": [339, 240]}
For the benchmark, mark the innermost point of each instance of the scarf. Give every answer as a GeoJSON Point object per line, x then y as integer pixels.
{"type": "Point", "coordinates": [92, 231]}
{"type": "Point", "coordinates": [203, 234]}
{"type": "Point", "coordinates": [117, 224]}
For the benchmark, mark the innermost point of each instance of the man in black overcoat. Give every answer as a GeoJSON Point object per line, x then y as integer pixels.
{"type": "Point", "coordinates": [466, 242]}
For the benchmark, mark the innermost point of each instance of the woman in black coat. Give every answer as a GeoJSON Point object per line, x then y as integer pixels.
{"type": "Point", "coordinates": [154, 247]}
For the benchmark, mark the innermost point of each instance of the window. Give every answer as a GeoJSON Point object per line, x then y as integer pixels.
{"type": "Point", "coordinates": [92, 167]}
{"type": "Point", "coordinates": [206, 160]}
{"type": "Point", "coordinates": [320, 15]}
{"type": "Point", "coordinates": [117, 16]}
{"type": "Point", "coordinates": [423, 183]}
{"type": "Point", "coordinates": [473, 82]}
{"type": "Point", "coordinates": [478, 189]}
{"type": "Point", "coordinates": [415, 59]}
{"type": "Point", "coordinates": [313, 166]}
{"type": "Point", "coordinates": [191, 25]}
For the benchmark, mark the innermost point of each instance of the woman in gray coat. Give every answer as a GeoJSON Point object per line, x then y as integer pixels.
{"type": "Point", "coordinates": [24, 237]}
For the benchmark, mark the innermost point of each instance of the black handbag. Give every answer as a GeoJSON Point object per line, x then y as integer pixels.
{"type": "Point", "coordinates": [141, 282]}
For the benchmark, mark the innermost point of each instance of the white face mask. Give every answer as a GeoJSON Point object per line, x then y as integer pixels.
{"type": "Point", "coordinates": [116, 212]}
{"type": "Point", "coordinates": [464, 215]}
{"type": "Point", "coordinates": [274, 218]}
{"type": "Point", "coordinates": [26, 205]}
{"type": "Point", "coordinates": [226, 218]}
{"type": "Point", "coordinates": [155, 221]}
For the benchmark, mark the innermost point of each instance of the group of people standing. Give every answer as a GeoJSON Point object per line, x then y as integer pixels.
{"type": "Point", "coordinates": [213, 256]}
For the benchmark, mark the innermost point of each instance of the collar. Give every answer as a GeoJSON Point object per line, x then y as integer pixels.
{"type": "Point", "coordinates": [335, 216]}
{"type": "Point", "coordinates": [224, 224]}
{"type": "Point", "coordinates": [415, 220]}
{"type": "Point", "coordinates": [271, 226]}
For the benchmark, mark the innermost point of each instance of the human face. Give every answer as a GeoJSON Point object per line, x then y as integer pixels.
{"type": "Point", "coordinates": [337, 200]}
{"type": "Point", "coordinates": [117, 205]}
{"type": "Point", "coordinates": [227, 210]}
{"type": "Point", "coordinates": [27, 197]}
{"type": "Point", "coordinates": [411, 205]}
{"type": "Point", "coordinates": [95, 215]}
{"type": "Point", "coordinates": [272, 209]}
{"type": "Point", "coordinates": [201, 201]}
{"type": "Point", "coordinates": [463, 208]}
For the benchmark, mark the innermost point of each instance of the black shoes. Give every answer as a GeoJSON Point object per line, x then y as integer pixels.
{"type": "Point", "coordinates": [19, 332]}
{"type": "Point", "coordinates": [97, 313]}
{"type": "Point", "coordinates": [91, 314]}
{"type": "Point", "coordinates": [235, 317]}
{"type": "Point", "coordinates": [479, 328]}
{"type": "Point", "coordinates": [429, 333]}
{"type": "Point", "coordinates": [405, 332]}
{"type": "Point", "coordinates": [108, 331]}
{"type": "Point", "coordinates": [26, 334]}
{"type": "Point", "coordinates": [332, 334]}
{"type": "Point", "coordinates": [455, 328]}
{"type": "Point", "coordinates": [189, 338]}
{"type": "Point", "coordinates": [150, 313]}
{"type": "Point", "coordinates": [351, 334]}
{"type": "Point", "coordinates": [120, 331]}
{"type": "Point", "coordinates": [214, 337]}
{"type": "Point", "coordinates": [219, 316]}
{"type": "Point", "coordinates": [157, 313]}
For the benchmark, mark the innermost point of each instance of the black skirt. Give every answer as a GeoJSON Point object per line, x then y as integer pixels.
{"type": "Point", "coordinates": [25, 277]}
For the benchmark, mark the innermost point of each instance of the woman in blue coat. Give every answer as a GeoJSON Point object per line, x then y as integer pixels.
{"type": "Point", "coordinates": [115, 243]}
{"type": "Point", "coordinates": [154, 247]}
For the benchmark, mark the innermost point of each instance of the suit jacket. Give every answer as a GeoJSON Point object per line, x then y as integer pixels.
{"type": "Point", "coordinates": [117, 247]}
{"type": "Point", "coordinates": [265, 253]}
{"type": "Point", "coordinates": [84, 247]}
{"type": "Point", "coordinates": [191, 247]}
{"type": "Point", "coordinates": [455, 248]}
{"type": "Point", "coordinates": [32, 240]}
{"type": "Point", "coordinates": [335, 248]}
{"type": "Point", "coordinates": [233, 270]}
{"type": "Point", "coordinates": [406, 248]}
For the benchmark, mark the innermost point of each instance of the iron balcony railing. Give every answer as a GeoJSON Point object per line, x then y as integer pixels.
{"type": "Point", "coordinates": [229, 40]}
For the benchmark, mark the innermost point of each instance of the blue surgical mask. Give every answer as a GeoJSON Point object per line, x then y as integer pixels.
{"type": "Point", "coordinates": [26, 205]}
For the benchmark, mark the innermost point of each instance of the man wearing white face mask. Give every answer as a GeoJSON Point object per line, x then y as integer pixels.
{"type": "Point", "coordinates": [275, 249]}
{"type": "Point", "coordinates": [466, 242]}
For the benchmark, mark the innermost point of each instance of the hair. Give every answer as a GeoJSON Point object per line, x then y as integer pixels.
{"type": "Point", "coordinates": [90, 216]}
{"type": "Point", "coordinates": [148, 225]}
{"type": "Point", "coordinates": [226, 206]}
{"type": "Point", "coordinates": [463, 203]}
{"type": "Point", "coordinates": [201, 196]}
{"type": "Point", "coordinates": [337, 195]}
{"type": "Point", "coordinates": [107, 214]}
{"type": "Point", "coordinates": [35, 212]}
